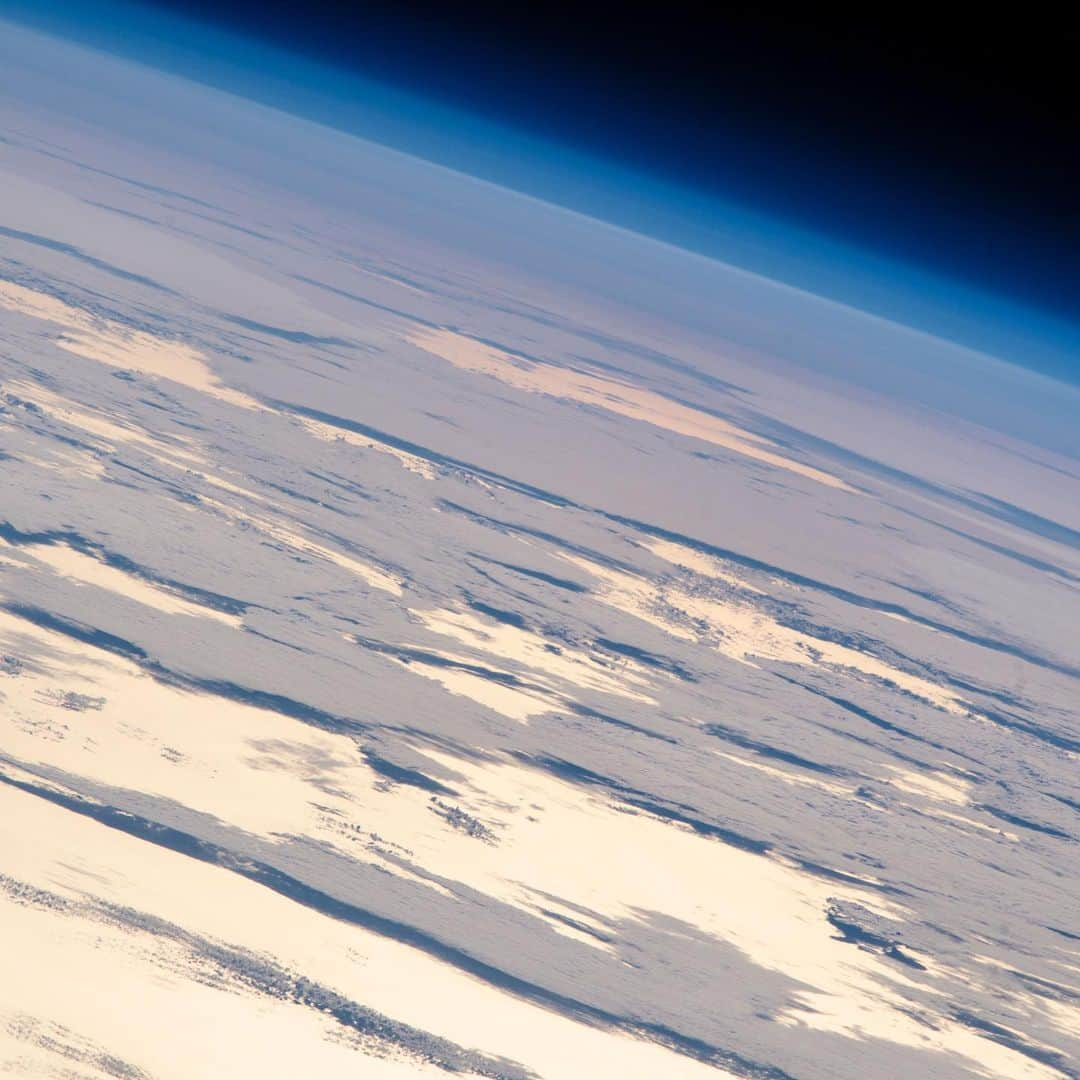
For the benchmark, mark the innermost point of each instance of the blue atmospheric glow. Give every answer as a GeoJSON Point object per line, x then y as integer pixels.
{"type": "Point", "coordinates": [776, 249]}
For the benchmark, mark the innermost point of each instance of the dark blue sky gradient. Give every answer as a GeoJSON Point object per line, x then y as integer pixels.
{"type": "Point", "coordinates": [881, 228]}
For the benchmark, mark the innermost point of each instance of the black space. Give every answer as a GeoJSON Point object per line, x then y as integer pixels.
{"type": "Point", "coordinates": [950, 139]}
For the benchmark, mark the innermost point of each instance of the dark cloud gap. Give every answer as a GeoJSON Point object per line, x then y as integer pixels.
{"type": "Point", "coordinates": [294, 889]}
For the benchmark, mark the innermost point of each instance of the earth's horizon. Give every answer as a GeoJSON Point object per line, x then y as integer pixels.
{"type": "Point", "coordinates": [443, 632]}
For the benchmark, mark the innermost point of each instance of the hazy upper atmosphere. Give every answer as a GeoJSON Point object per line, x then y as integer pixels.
{"type": "Point", "coordinates": [442, 632]}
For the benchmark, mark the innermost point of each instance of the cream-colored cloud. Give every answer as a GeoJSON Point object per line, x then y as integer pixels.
{"type": "Point", "coordinates": [611, 395]}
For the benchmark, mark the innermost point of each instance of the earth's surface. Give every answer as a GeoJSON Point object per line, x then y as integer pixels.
{"type": "Point", "coordinates": [439, 631]}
